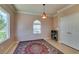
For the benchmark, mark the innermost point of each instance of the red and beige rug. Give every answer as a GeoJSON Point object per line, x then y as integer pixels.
{"type": "Point", "coordinates": [36, 47]}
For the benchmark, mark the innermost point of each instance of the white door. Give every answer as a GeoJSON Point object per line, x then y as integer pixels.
{"type": "Point", "coordinates": [69, 30]}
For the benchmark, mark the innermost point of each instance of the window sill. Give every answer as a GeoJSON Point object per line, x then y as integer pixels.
{"type": "Point", "coordinates": [4, 41]}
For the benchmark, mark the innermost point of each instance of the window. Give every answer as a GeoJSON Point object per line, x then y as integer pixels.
{"type": "Point", "coordinates": [37, 27]}
{"type": "Point", "coordinates": [4, 25]}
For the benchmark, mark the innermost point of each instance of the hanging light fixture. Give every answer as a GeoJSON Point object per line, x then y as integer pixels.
{"type": "Point", "coordinates": [44, 15]}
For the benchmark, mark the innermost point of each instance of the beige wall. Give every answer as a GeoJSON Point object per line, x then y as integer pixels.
{"type": "Point", "coordinates": [55, 23]}
{"type": "Point", "coordinates": [7, 44]}
{"type": "Point", "coordinates": [25, 27]}
{"type": "Point", "coordinates": [73, 9]}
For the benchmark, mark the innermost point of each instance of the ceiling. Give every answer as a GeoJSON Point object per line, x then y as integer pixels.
{"type": "Point", "coordinates": [37, 9]}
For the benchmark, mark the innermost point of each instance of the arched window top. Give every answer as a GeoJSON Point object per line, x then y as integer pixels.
{"type": "Point", "coordinates": [37, 22]}
{"type": "Point", "coordinates": [37, 27]}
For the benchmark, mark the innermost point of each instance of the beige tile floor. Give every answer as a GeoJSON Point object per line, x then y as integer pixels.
{"type": "Point", "coordinates": [65, 49]}
{"type": "Point", "coordinates": [13, 48]}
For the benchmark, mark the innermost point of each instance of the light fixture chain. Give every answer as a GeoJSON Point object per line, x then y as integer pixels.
{"type": "Point", "coordinates": [43, 7]}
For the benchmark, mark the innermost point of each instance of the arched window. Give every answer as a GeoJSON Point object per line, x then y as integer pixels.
{"type": "Point", "coordinates": [36, 27]}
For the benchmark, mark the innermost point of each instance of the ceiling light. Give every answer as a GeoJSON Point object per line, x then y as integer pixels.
{"type": "Point", "coordinates": [44, 15]}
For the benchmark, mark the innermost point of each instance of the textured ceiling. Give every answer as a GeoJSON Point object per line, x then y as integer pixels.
{"type": "Point", "coordinates": [37, 9]}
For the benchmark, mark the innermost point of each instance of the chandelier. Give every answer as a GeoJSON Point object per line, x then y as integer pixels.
{"type": "Point", "coordinates": [44, 15]}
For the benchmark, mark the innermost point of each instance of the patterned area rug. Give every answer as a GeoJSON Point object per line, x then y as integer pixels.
{"type": "Point", "coordinates": [36, 47]}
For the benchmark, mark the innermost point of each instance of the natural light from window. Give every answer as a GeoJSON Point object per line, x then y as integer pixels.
{"type": "Point", "coordinates": [36, 27]}
{"type": "Point", "coordinates": [4, 26]}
